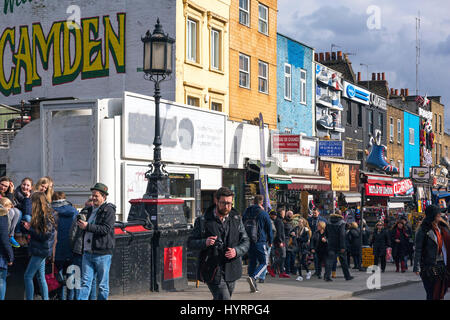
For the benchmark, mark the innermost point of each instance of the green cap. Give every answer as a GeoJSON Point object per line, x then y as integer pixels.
{"type": "Point", "coordinates": [100, 187]}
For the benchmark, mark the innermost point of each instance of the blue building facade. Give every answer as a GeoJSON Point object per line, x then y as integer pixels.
{"type": "Point", "coordinates": [295, 87]}
{"type": "Point", "coordinates": [411, 143]}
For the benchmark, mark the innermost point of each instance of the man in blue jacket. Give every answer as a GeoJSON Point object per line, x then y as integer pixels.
{"type": "Point", "coordinates": [258, 251]}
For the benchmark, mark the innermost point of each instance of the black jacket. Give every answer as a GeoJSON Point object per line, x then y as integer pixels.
{"type": "Point", "coordinates": [426, 252]}
{"type": "Point", "coordinates": [302, 240]}
{"type": "Point", "coordinates": [318, 245]}
{"type": "Point", "coordinates": [6, 251]}
{"type": "Point", "coordinates": [280, 235]}
{"type": "Point", "coordinates": [212, 261]}
{"type": "Point", "coordinates": [354, 240]}
{"type": "Point", "coordinates": [103, 241]}
{"type": "Point", "coordinates": [365, 237]}
{"type": "Point", "coordinates": [335, 233]}
{"type": "Point", "coordinates": [380, 242]}
{"type": "Point", "coordinates": [41, 244]}
{"type": "Point", "coordinates": [400, 249]}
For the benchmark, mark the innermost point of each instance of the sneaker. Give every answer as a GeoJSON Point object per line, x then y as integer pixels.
{"type": "Point", "coordinates": [284, 275]}
{"type": "Point", "coordinates": [299, 278]}
{"type": "Point", "coordinates": [252, 283]}
{"type": "Point", "coordinates": [333, 274]}
{"type": "Point", "coordinates": [14, 243]}
{"type": "Point", "coordinates": [308, 275]}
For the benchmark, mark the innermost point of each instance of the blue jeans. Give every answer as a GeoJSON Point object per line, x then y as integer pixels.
{"type": "Point", "coordinates": [75, 293]}
{"type": "Point", "coordinates": [23, 217]}
{"type": "Point", "coordinates": [257, 255]}
{"type": "Point", "coordinates": [36, 265]}
{"type": "Point", "coordinates": [3, 273]}
{"type": "Point", "coordinates": [263, 274]}
{"type": "Point", "coordinates": [95, 265]}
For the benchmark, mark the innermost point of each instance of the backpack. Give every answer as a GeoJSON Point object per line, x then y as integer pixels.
{"type": "Point", "coordinates": [251, 227]}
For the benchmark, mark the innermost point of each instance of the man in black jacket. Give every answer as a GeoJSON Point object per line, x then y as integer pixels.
{"type": "Point", "coordinates": [98, 243]}
{"type": "Point", "coordinates": [335, 233]}
{"type": "Point", "coordinates": [279, 243]}
{"type": "Point", "coordinates": [222, 240]}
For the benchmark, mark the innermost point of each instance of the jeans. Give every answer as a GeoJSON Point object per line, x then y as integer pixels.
{"type": "Point", "coordinates": [24, 217]}
{"type": "Point", "coordinates": [289, 264]}
{"type": "Point", "coordinates": [302, 263]}
{"type": "Point", "coordinates": [331, 259]}
{"type": "Point", "coordinates": [381, 258]}
{"type": "Point", "coordinates": [14, 216]}
{"type": "Point", "coordinates": [36, 265]}
{"type": "Point", "coordinates": [269, 252]}
{"type": "Point", "coordinates": [3, 273]}
{"type": "Point", "coordinates": [257, 255]}
{"type": "Point", "coordinates": [223, 290]}
{"type": "Point", "coordinates": [95, 265]}
{"type": "Point", "coordinates": [280, 256]}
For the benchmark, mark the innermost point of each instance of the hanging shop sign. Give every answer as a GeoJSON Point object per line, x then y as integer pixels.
{"type": "Point", "coordinates": [420, 174]}
{"type": "Point", "coordinates": [377, 101]}
{"type": "Point", "coordinates": [340, 177]}
{"type": "Point", "coordinates": [379, 190]}
{"type": "Point", "coordinates": [356, 93]}
{"type": "Point", "coordinates": [331, 148]}
{"type": "Point", "coordinates": [354, 177]}
{"type": "Point", "coordinates": [403, 187]}
{"type": "Point", "coordinates": [440, 177]}
{"type": "Point", "coordinates": [286, 143]}
{"type": "Point", "coordinates": [328, 77]}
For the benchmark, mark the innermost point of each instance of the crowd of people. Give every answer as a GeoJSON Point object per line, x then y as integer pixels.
{"type": "Point", "coordinates": [58, 238]}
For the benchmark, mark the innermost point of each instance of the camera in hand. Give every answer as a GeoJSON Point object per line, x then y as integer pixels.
{"type": "Point", "coordinates": [81, 216]}
{"type": "Point", "coordinates": [218, 247]}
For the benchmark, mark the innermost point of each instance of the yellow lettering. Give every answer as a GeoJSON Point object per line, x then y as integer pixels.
{"type": "Point", "coordinates": [71, 71]}
{"type": "Point", "coordinates": [115, 43]}
{"type": "Point", "coordinates": [5, 86]}
{"type": "Point", "coordinates": [92, 68]}
{"type": "Point", "coordinates": [22, 59]}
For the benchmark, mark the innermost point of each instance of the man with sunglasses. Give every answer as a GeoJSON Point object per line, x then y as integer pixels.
{"type": "Point", "coordinates": [222, 240]}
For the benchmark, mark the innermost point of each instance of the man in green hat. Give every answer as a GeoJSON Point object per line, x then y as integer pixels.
{"type": "Point", "coordinates": [98, 242]}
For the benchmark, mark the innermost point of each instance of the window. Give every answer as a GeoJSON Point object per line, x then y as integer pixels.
{"type": "Point", "coordinates": [359, 115]}
{"type": "Point", "coordinates": [399, 131]}
{"type": "Point", "coordinates": [191, 40]}
{"type": "Point", "coordinates": [287, 82]}
{"type": "Point", "coordinates": [244, 12]}
{"type": "Point", "coordinates": [380, 123]}
{"type": "Point", "coordinates": [244, 71]}
{"type": "Point", "coordinates": [262, 77]}
{"type": "Point", "coordinates": [435, 123]}
{"type": "Point", "coordinates": [391, 129]}
{"type": "Point", "coordinates": [440, 124]}
{"type": "Point", "coordinates": [446, 151]}
{"type": "Point", "coordinates": [400, 168]}
{"type": "Point", "coordinates": [411, 136]}
{"type": "Point", "coordinates": [287, 130]}
{"type": "Point", "coordinates": [215, 49]}
{"type": "Point", "coordinates": [192, 101]}
{"type": "Point", "coordinates": [349, 111]}
{"type": "Point", "coordinates": [371, 121]}
{"type": "Point", "coordinates": [303, 86]}
{"type": "Point", "coordinates": [263, 19]}
{"type": "Point", "coordinates": [216, 106]}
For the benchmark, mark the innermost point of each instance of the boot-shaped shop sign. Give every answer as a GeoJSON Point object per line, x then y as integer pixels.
{"type": "Point", "coordinates": [377, 157]}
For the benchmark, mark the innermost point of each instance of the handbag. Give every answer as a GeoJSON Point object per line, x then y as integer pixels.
{"type": "Point", "coordinates": [52, 279]}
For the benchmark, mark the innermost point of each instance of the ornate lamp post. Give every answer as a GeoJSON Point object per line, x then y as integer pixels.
{"type": "Point", "coordinates": [157, 65]}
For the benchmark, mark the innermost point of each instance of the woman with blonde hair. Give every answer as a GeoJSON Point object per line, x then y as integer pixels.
{"type": "Point", "coordinates": [44, 185]}
{"type": "Point", "coordinates": [302, 236]}
{"type": "Point", "coordinates": [6, 252]}
{"type": "Point", "coordinates": [42, 229]}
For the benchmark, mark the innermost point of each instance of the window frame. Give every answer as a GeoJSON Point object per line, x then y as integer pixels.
{"type": "Point", "coordinates": [194, 98]}
{"type": "Point", "coordinates": [411, 134]}
{"type": "Point", "coordinates": [244, 71]}
{"type": "Point", "coordinates": [391, 129]}
{"type": "Point", "coordinates": [261, 20]}
{"type": "Point", "coordinates": [213, 49]}
{"type": "Point", "coordinates": [288, 76]}
{"type": "Point", "coordinates": [266, 78]}
{"type": "Point", "coordinates": [399, 131]}
{"type": "Point", "coordinates": [189, 42]}
{"type": "Point", "coordinates": [217, 103]}
{"type": "Point", "coordinates": [246, 12]}
{"type": "Point", "coordinates": [303, 83]}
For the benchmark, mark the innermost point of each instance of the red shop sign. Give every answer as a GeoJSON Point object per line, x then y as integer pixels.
{"type": "Point", "coordinates": [380, 190]}
{"type": "Point", "coordinates": [286, 143]}
{"type": "Point", "coordinates": [173, 263]}
{"type": "Point", "coordinates": [403, 187]}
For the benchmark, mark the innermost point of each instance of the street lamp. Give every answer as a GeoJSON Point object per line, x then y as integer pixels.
{"type": "Point", "coordinates": [157, 65]}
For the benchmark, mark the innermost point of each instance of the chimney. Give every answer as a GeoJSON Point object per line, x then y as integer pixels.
{"type": "Point", "coordinates": [396, 92]}
{"type": "Point", "coordinates": [321, 56]}
{"type": "Point", "coordinates": [373, 76]}
{"type": "Point", "coordinates": [359, 76]}
{"type": "Point", "coordinates": [327, 56]}
{"type": "Point", "coordinates": [383, 77]}
{"type": "Point", "coordinates": [406, 92]}
{"type": "Point", "coordinates": [333, 55]}
{"type": "Point", "coordinates": [339, 55]}
{"type": "Point", "coordinates": [392, 91]}
{"type": "Point", "coordinates": [402, 92]}
{"type": "Point", "coordinates": [378, 76]}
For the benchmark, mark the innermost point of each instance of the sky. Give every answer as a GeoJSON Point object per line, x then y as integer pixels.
{"type": "Point", "coordinates": [380, 34]}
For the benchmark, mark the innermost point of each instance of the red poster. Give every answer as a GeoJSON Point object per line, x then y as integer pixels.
{"type": "Point", "coordinates": [173, 263]}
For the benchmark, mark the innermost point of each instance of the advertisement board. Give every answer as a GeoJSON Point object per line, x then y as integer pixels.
{"type": "Point", "coordinates": [331, 148]}
{"type": "Point", "coordinates": [340, 177]}
{"type": "Point", "coordinates": [285, 143]}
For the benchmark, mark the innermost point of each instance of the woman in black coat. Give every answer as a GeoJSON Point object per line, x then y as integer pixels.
{"type": "Point", "coordinates": [400, 245]}
{"type": "Point", "coordinates": [354, 240]}
{"type": "Point", "coordinates": [432, 237]}
{"type": "Point", "coordinates": [380, 242]}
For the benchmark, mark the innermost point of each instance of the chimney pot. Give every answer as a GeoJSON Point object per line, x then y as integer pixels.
{"type": "Point", "coordinates": [321, 56]}
{"type": "Point", "coordinates": [333, 55]}
{"type": "Point", "coordinates": [406, 92]}
{"type": "Point", "coordinates": [396, 92]}
{"type": "Point", "coordinates": [359, 76]}
{"type": "Point", "coordinates": [402, 92]}
{"type": "Point", "coordinates": [327, 56]}
{"type": "Point", "coordinates": [383, 77]}
{"type": "Point", "coordinates": [392, 91]}
{"type": "Point", "coordinates": [373, 76]}
{"type": "Point", "coordinates": [316, 56]}
{"type": "Point", "coordinates": [378, 76]}
{"type": "Point", "coordinates": [339, 55]}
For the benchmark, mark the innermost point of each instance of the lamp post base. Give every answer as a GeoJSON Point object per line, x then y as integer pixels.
{"type": "Point", "coordinates": [157, 187]}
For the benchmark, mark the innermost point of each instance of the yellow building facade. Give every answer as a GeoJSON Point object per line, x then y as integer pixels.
{"type": "Point", "coordinates": [253, 60]}
{"type": "Point", "coordinates": [202, 54]}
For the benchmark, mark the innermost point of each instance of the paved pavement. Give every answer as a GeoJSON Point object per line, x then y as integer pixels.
{"type": "Point", "coordinates": [290, 289]}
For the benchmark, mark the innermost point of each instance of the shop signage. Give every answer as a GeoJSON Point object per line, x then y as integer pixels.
{"type": "Point", "coordinates": [440, 177]}
{"type": "Point", "coordinates": [286, 143]}
{"type": "Point", "coordinates": [355, 93]}
{"type": "Point", "coordinates": [403, 187]}
{"type": "Point", "coordinates": [381, 190]}
{"type": "Point", "coordinates": [354, 177]}
{"type": "Point", "coordinates": [426, 114]}
{"type": "Point", "coordinates": [308, 147]}
{"type": "Point", "coordinates": [325, 169]}
{"type": "Point", "coordinates": [328, 77]}
{"type": "Point", "coordinates": [340, 177]}
{"type": "Point", "coordinates": [420, 174]}
{"type": "Point", "coordinates": [331, 148]}
{"type": "Point", "coordinates": [378, 101]}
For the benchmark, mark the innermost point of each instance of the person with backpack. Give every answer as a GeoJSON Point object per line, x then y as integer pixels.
{"type": "Point", "coordinates": [259, 230]}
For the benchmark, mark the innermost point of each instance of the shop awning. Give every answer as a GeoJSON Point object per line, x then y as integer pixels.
{"type": "Point", "coordinates": [309, 182]}
{"type": "Point", "coordinates": [352, 197]}
{"type": "Point", "coordinates": [441, 194]}
{"type": "Point", "coordinates": [275, 174]}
